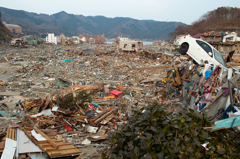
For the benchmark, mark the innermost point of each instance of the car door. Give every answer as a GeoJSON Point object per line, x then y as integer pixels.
{"type": "Point", "coordinates": [205, 51]}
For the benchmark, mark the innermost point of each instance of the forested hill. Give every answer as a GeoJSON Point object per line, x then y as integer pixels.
{"type": "Point", "coordinates": [221, 19]}
{"type": "Point", "coordinates": [71, 24]}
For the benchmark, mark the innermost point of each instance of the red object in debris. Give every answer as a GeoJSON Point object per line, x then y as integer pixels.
{"type": "Point", "coordinates": [166, 102]}
{"type": "Point", "coordinates": [67, 127]}
{"type": "Point", "coordinates": [116, 93]}
{"type": "Point", "coordinates": [47, 75]}
{"type": "Point", "coordinates": [50, 52]}
{"type": "Point", "coordinates": [53, 133]}
{"type": "Point", "coordinates": [90, 105]}
{"type": "Point", "coordinates": [115, 126]}
{"type": "Point", "coordinates": [13, 127]}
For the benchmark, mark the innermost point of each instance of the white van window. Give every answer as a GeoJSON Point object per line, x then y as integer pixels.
{"type": "Point", "coordinates": [218, 57]}
{"type": "Point", "coordinates": [204, 46]}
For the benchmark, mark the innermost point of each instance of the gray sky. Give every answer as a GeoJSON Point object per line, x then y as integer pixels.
{"type": "Point", "coordinates": [186, 11]}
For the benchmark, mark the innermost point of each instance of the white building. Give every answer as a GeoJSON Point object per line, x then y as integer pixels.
{"type": "Point", "coordinates": [76, 40]}
{"type": "Point", "coordinates": [130, 45]}
{"type": "Point", "coordinates": [83, 39]}
{"type": "Point", "coordinates": [231, 37]}
{"type": "Point", "coordinates": [61, 38]}
{"type": "Point", "coordinates": [51, 38]}
{"type": "Point", "coordinates": [124, 39]}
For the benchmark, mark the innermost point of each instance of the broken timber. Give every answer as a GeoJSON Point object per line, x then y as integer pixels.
{"type": "Point", "coordinates": [54, 148]}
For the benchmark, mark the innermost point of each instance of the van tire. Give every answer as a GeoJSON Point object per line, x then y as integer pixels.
{"type": "Point", "coordinates": [183, 48]}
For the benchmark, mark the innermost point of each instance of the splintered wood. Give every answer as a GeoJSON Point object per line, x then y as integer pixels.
{"type": "Point", "coordinates": [2, 145]}
{"type": "Point", "coordinates": [53, 147]}
{"type": "Point", "coordinates": [76, 88]}
{"type": "Point", "coordinates": [11, 133]}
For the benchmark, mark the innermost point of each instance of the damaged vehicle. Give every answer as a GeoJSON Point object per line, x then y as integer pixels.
{"type": "Point", "coordinates": [200, 51]}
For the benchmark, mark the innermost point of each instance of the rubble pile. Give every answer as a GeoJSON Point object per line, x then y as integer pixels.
{"type": "Point", "coordinates": [66, 101]}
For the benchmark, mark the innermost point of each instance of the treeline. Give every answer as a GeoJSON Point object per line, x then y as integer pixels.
{"type": "Point", "coordinates": [221, 19]}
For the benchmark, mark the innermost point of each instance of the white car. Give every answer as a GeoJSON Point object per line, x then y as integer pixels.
{"type": "Point", "coordinates": [200, 51]}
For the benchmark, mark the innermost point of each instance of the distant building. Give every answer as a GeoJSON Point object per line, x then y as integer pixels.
{"type": "Point", "coordinates": [83, 40]}
{"type": "Point", "coordinates": [236, 47]}
{"type": "Point", "coordinates": [226, 47]}
{"type": "Point", "coordinates": [15, 29]}
{"type": "Point", "coordinates": [232, 37]}
{"type": "Point", "coordinates": [76, 40]}
{"type": "Point", "coordinates": [126, 44]}
{"type": "Point", "coordinates": [51, 38]}
{"type": "Point", "coordinates": [229, 43]}
{"type": "Point", "coordinates": [213, 38]}
{"type": "Point", "coordinates": [198, 36]}
{"type": "Point", "coordinates": [97, 39]}
{"type": "Point", "coordinates": [123, 39]}
{"type": "Point", "coordinates": [29, 37]}
{"type": "Point", "coordinates": [81, 36]}
{"type": "Point", "coordinates": [60, 38]}
{"type": "Point", "coordinates": [16, 41]}
{"type": "Point", "coordinates": [159, 43]}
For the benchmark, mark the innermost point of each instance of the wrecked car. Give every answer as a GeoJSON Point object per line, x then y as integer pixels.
{"type": "Point", "coordinates": [200, 51]}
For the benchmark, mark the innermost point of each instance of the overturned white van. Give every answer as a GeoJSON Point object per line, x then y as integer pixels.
{"type": "Point", "coordinates": [200, 51]}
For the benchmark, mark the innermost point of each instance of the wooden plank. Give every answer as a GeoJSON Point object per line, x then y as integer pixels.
{"type": "Point", "coordinates": [8, 133]}
{"type": "Point", "coordinates": [28, 134]}
{"type": "Point", "coordinates": [59, 141]}
{"type": "Point", "coordinates": [61, 148]}
{"type": "Point", "coordinates": [70, 148]}
{"type": "Point", "coordinates": [11, 133]}
{"type": "Point", "coordinates": [28, 129]}
{"type": "Point", "coordinates": [101, 114]}
{"type": "Point", "coordinates": [57, 154]}
{"type": "Point", "coordinates": [51, 149]}
{"type": "Point", "coordinates": [15, 134]}
{"type": "Point", "coordinates": [46, 146]}
{"type": "Point", "coordinates": [47, 131]}
{"type": "Point", "coordinates": [80, 116]}
{"type": "Point", "coordinates": [46, 137]}
{"type": "Point", "coordinates": [64, 144]}
{"type": "Point", "coordinates": [43, 142]}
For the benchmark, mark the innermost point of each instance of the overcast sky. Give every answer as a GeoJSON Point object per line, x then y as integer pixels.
{"type": "Point", "coordinates": [186, 11]}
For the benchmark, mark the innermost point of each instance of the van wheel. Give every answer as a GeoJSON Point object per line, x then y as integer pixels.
{"type": "Point", "coordinates": [183, 49]}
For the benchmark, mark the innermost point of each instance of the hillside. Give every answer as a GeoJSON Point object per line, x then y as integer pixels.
{"type": "Point", "coordinates": [221, 19]}
{"type": "Point", "coordinates": [71, 24]}
{"type": "Point", "coordinates": [5, 34]}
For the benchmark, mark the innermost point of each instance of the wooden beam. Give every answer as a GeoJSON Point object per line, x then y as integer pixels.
{"type": "Point", "coordinates": [48, 139]}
